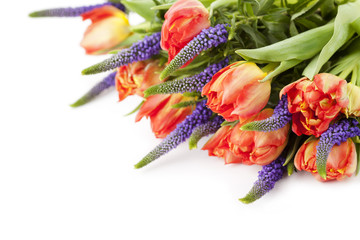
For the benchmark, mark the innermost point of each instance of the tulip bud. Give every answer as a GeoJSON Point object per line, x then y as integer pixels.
{"type": "Point", "coordinates": [183, 21]}
{"type": "Point", "coordinates": [236, 93]}
{"type": "Point", "coordinates": [108, 29]}
{"type": "Point", "coordinates": [248, 147]}
{"type": "Point", "coordinates": [341, 161]}
{"type": "Point", "coordinates": [314, 104]}
{"type": "Point", "coordinates": [136, 77]}
{"type": "Point", "coordinates": [163, 116]}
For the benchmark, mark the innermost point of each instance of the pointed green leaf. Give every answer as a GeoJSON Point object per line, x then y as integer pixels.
{"type": "Point", "coordinates": [135, 110]}
{"type": "Point", "coordinates": [310, 8]}
{"type": "Point", "coordinates": [284, 65]}
{"type": "Point", "coordinates": [293, 147]}
{"type": "Point", "coordinates": [143, 8]}
{"type": "Point", "coordinates": [301, 47]}
{"type": "Point", "coordinates": [290, 168]}
{"type": "Point", "coordinates": [347, 13]}
{"type": "Point", "coordinates": [356, 25]}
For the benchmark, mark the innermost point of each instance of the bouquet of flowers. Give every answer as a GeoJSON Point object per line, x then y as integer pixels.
{"type": "Point", "coordinates": [276, 82]}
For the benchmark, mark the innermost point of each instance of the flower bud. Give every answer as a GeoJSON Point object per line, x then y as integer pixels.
{"type": "Point", "coordinates": [183, 21]}
{"type": "Point", "coordinates": [136, 77]}
{"type": "Point", "coordinates": [341, 161]}
{"type": "Point", "coordinates": [163, 116]}
{"type": "Point", "coordinates": [108, 29]}
{"type": "Point", "coordinates": [236, 93]}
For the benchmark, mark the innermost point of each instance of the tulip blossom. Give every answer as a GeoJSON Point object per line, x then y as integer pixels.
{"type": "Point", "coordinates": [136, 77]}
{"type": "Point", "coordinates": [183, 21]}
{"type": "Point", "coordinates": [353, 93]}
{"type": "Point", "coordinates": [108, 29]}
{"type": "Point", "coordinates": [314, 104]}
{"type": "Point", "coordinates": [163, 116]}
{"type": "Point", "coordinates": [248, 147]}
{"type": "Point", "coordinates": [236, 93]}
{"type": "Point", "coordinates": [341, 161]}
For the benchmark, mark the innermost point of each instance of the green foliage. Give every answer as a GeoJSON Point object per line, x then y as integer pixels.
{"type": "Point", "coordinates": [347, 14]}
{"type": "Point", "coordinates": [143, 8]}
{"type": "Point", "coordinates": [185, 104]}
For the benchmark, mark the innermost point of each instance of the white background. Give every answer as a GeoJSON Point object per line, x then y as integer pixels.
{"type": "Point", "coordinates": [68, 173]}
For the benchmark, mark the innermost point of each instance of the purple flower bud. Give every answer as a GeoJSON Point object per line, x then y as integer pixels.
{"type": "Point", "coordinates": [278, 120]}
{"type": "Point", "coordinates": [106, 83]}
{"type": "Point", "coordinates": [207, 38]}
{"type": "Point", "coordinates": [73, 12]}
{"type": "Point", "coordinates": [139, 51]}
{"type": "Point", "coordinates": [182, 132]}
{"type": "Point", "coordinates": [267, 178]}
{"type": "Point", "coordinates": [187, 84]}
{"type": "Point", "coordinates": [336, 134]}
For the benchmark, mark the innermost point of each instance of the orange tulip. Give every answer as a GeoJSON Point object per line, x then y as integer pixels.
{"type": "Point", "coordinates": [236, 93]}
{"type": "Point", "coordinates": [163, 116]}
{"type": "Point", "coordinates": [108, 29]}
{"type": "Point", "coordinates": [341, 161]}
{"type": "Point", "coordinates": [248, 147]}
{"type": "Point", "coordinates": [136, 77]}
{"type": "Point", "coordinates": [183, 21]}
{"type": "Point", "coordinates": [218, 144]}
{"type": "Point", "coordinates": [314, 104]}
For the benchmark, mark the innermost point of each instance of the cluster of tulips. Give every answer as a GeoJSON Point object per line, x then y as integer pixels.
{"type": "Point", "coordinates": [276, 83]}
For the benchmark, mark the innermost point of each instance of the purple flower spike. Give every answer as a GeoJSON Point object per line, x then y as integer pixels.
{"type": "Point", "coordinates": [204, 130]}
{"type": "Point", "coordinates": [106, 83]}
{"type": "Point", "coordinates": [73, 12]}
{"type": "Point", "coordinates": [188, 84]}
{"type": "Point", "coordinates": [279, 119]}
{"type": "Point", "coordinates": [336, 134]}
{"type": "Point", "coordinates": [139, 51]}
{"type": "Point", "coordinates": [182, 132]}
{"type": "Point", "coordinates": [267, 178]}
{"type": "Point", "coordinates": [206, 39]}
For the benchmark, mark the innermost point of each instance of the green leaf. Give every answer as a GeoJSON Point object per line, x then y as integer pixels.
{"type": "Point", "coordinates": [264, 6]}
{"type": "Point", "coordinates": [284, 65]}
{"type": "Point", "coordinates": [293, 30]}
{"type": "Point", "coordinates": [347, 13]}
{"type": "Point", "coordinates": [136, 109]}
{"type": "Point", "coordinates": [293, 147]}
{"type": "Point", "coordinates": [259, 38]}
{"type": "Point", "coordinates": [349, 62]}
{"type": "Point", "coordinates": [356, 26]}
{"type": "Point", "coordinates": [301, 47]}
{"type": "Point", "coordinates": [143, 8]}
{"type": "Point", "coordinates": [184, 104]}
{"type": "Point", "coordinates": [232, 124]}
{"type": "Point", "coordinates": [309, 9]}
{"type": "Point", "coordinates": [290, 168]}
{"type": "Point", "coordinates": [219, 3]}
{"type": "Point", "coordinates": [165, 6]}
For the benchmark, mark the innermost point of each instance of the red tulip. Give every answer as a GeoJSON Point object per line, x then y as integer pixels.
{"type": "Point", "coordinates": [108, 29]}
{"type": "Point", "coordinates": [183, 21]}
{"type": "Point", "coordinates": [236, 93]}
{"type": "Point", "coordinates": [341, 161]}
{"type": "Point", "coordinates": [163, 116]}
{"type": "Point", "coordinates": [136, 77]}
{"type": "Point", "coordinates": [314, 104]}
